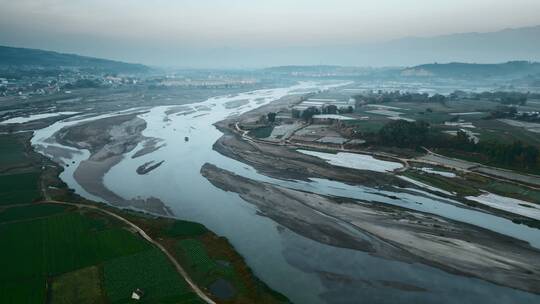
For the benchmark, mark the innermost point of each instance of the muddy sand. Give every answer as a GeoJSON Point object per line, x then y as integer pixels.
{"type": "Point", "coordinates": [391, 232]}
{"type": "Point", "coordinates": [108, 139]}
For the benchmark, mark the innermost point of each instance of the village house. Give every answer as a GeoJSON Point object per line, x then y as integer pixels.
{"type": "Point", "coordinates": [324, 105]}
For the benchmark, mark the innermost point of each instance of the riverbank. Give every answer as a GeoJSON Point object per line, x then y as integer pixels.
{"type": "Point", "coordinates": [329, 266]}
{"type": "Point", "coordinates": [382, 230]}
{"type": "Point", "coordinates": [222, 262]}
{"type": "Point", "coordinates": [392, 233]}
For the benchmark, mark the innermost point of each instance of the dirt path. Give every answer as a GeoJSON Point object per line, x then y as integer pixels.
{"type": "Point", "coordinates": [288, 143]}
{"type": "Point", "coordinates": [145, 236]}
{"type": "Point", "coordinates": [405, 161]}
{"type": "Point", "coordinates": [476, 166]}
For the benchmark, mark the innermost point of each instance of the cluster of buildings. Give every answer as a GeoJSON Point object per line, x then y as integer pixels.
{"type": "Point", "coordinates": [533, 116]}
{"type": "Point", "coordinates": [43, 84]}
{"type": "Point", "coordinates": [324, 106]}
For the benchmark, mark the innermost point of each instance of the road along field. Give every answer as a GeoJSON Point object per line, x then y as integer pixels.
{"type": "Point", "coordinates": [58, 252]}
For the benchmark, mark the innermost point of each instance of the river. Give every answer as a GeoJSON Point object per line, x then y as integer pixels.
{"type": "Point", "coordinates": [304, 270]}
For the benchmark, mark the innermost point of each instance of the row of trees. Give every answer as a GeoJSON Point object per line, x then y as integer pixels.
{"type": "Point", "coordinates": [516, 154]}
{"type": "Point", "coordinates": [503, 97]}
{"type": "Point", "coordinates": [506, 98]}
{"type": "Point", "coordinates": [418, 134]}
{"type": "Point", "coordinates": [405, 134]}
{"type": "Point", "coordinates": [308, 113]}
{"type": "Point", "coordinates": [398, 96]}
{"type": "Point", "coordinates": [512, 112]}
{"type": "Point", "coordinates": [503, 112]}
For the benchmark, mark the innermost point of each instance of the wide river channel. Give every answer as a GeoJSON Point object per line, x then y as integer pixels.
{"type": "Point", "coordinates": [302, 269]}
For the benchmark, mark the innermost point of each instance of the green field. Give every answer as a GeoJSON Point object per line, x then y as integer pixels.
{"type": "Point", "coordinates": [197, 258]}
{"type": "Point", "coordinates": [82, 286]}
{"type": "Point", "coordinates": [262, 132]}
{"type": "Point", "coordinates": [471, 185]}
{"type": "Point", "coordinates": [185, 229]}
{"type": "Point", "coordinates": [73, 249]}
{"type": "Point", "coordinates": [61, 254]}
{"type": "Point", "coordinates": [444, 183]}
{"type": "Point", "coordinates": [19, 188]}
{"type": "Point", "coordinates": [205, 269]}
{"type": "Point", "coordinates": [209, 258]}
{"type": "Point", "coordinates": [148, 270]}
{"type": "Point", "coordinates": [495, 130]}
{"type": "Point", "coordinates": [12, 151]}
{"type": "Point", "coordinates": [23, 291]}
{"type": "Point", "coordinates": [61, 243]}
{"type": "Point", "coordinates": [19, 171]}
{"type": "Point", "coordinates": [30, 212]}
{"type": "Point", "coordinates": [373, 125]}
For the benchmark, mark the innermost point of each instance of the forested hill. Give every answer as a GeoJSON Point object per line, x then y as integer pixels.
{"type": "Point", "coordinates": [468, 70]}
{"type": "Point", "coordinates": [11, 57]}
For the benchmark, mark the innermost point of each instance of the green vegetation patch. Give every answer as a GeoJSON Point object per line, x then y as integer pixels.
{"type": "Point", "coordinates": [367, 126]}
{"type": "Point", "coordinates": [149, 271]}
{"type": "Point", "coordinates": [449, 184]}
{"type": "Point", "coordinates": [12, 151]}
{"type": "Point", "coordinates": [185, 229]}
{"type": "Point", "coordinates": [30, 212]}
{"type": "Point", "coordinates": [196, 256]}
{"type": "Point", "coordinates": [262, 132]}
{"type": "Point", "coordinates": [60, 244]}
{"type": "Point", "coordinates": [81, 286]}
{"type": "Point", "coordinates": [72, 243]}
{"type": "Point", "coordinates": [204, 269]}
{"type": "Point", "coordinates": [506, 189]}
{"type": "Point", "coordinates": [495, 130]}
{"type": "Point", "coordinates": [20, 188]}
{"type": "Point", "coordinates": [26, 291]}
{"type": "Point", "coordinates": [431, 117]}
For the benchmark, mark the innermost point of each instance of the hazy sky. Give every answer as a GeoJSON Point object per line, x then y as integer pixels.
{"type": "Point", "coordinates": [162, 31]}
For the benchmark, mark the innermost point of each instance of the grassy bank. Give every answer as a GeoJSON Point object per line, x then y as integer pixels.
{"type": "Point", "coordinates": [62, 254]}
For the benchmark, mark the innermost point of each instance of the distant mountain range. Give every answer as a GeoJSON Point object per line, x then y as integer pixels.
{"type": "Point", "coordinates": [491, 47]}
{"type": "Point", "coordinates": [512, 69]}
{"type": "Point", "coordinates": [11, 57]}
{"type": "Point", "coordinates": [454, 70]}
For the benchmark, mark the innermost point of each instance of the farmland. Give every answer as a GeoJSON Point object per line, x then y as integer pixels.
{"type": "Point", "coordinates": [64, 254]}
{"type": "Point", "coordinates": [19, 188]}
{"type": "Point", "coordinates": [19, 172]}
{"type": "Point", "coordinates": [148, 270]}
{"type": "Point", "coordinates": [56, 253]}
{"type": "Point", "coordinates": [209, 259]}
{"type": "Point", "coordinates": [12, 151]}
{"type": "Point", "coordinates": [46, 247]}
{"type": "Point", "coordinates": [79, 286]}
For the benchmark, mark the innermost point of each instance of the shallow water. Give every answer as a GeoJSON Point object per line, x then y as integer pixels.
{"type": "Point", "coordinates": [304, 270]}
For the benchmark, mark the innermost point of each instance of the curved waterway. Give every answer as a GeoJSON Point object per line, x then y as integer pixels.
{"type": "Point", "coordinates": [304, 270]}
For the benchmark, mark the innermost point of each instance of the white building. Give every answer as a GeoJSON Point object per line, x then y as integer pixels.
{"type": "Point", "coordinates": [321, 103]}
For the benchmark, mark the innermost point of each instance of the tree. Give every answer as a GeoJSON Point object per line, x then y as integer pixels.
{"type": "Point", "coordinates": [331, 109]}
{"type": "Point", "coordinates": [437, 98]}
{"type": "Point", "coordinates": [271, 117]}
{"type": "Point", "coordinates": [402, 133]}
{"type": "Point", "coordinates": [309, 112]}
